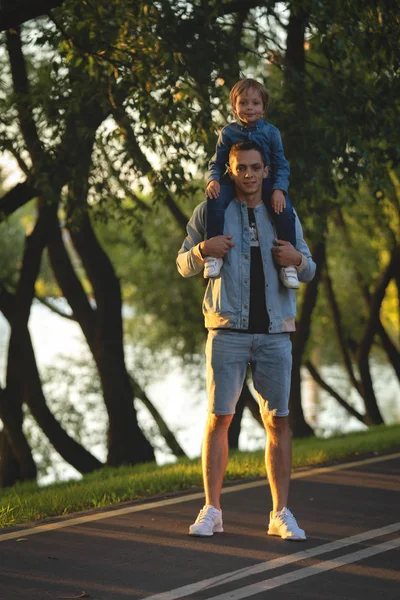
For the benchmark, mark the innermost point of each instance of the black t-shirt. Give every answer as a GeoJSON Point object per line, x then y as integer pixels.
{"type": "Point", "coordinates": [258, 314]}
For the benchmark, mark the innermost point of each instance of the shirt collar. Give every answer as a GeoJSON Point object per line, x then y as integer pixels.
{"type": "Point", "coordinates": [254, 127]}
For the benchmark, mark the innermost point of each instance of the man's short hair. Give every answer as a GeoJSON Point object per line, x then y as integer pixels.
{"type": "Point", "coordinates": [243, 146]}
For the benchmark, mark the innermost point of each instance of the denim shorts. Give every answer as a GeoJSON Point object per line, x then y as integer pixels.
{"type": "Point", "coordinates": [228, 355]}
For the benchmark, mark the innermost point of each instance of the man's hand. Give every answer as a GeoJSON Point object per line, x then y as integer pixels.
{"type": "Point", "coordinates": [285, 254]}
{"type": "Point", "coordinates": [218, 246]}
{"type": "Point", "coordinates": [213, 189]}
{"type": "Point", "coordinates": [278, 201]}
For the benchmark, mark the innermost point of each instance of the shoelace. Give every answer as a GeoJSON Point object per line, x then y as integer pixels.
{"type": "Point", "coordinates": [204, 516]}
{"type": "Point", "coordinates": [286, 516]}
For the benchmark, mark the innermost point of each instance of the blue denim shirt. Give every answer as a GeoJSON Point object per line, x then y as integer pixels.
{"type": "Point", "coordinates": [227, 297]}
{"type": "Point", "coordinates": [264, 134]}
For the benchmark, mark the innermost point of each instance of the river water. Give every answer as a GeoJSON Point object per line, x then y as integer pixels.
{"type": "Point", "coordinates": [178, 395]}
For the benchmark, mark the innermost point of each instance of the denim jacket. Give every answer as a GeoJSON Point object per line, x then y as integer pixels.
{"type": "Point", "coordinates": [264, 134]}
{"type": "Point", "coordinates": [227, 297]}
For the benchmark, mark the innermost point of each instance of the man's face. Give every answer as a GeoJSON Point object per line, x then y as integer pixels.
{"type": "Point", "coordinates": [247, 171]}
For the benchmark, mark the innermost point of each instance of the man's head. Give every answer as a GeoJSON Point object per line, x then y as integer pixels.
{"type": "Point", "coordinates": [249, 100]}
{"type": "Point", "coordinates": [247, 169]}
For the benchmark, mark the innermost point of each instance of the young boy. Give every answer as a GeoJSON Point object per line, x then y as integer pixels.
{"type": "Point", "coordinates": [249, 101]}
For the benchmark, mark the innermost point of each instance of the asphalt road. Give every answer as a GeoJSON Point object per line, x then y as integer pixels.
{"type": "Point", "coordinates": [350, 513]}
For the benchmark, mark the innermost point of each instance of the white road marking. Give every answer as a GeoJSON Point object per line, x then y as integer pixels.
{"type": "Point", "coordinates": [108, 514]}
{"type": "Point", "coordinates": [276, 563]}
{"type": "Point", "coordinates": [329, 565]}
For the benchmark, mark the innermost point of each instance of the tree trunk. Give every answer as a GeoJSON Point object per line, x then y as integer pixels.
{"type": "Point", "coordinates": [32, 394]}
{"type": "Point", "coordinates": [19, 449]}
{"type": "Point", "coordinates": [373, 413]}
{"type": "Point", "coordinates": [389, 347]}
{"type": "Point", "coordinates": [298, 423]}
{"type": "Point", "coordinates": [102, 328]}
{"type": "Point", "coordinates": [16, 461]}
{"type": "Point", "coordinates": [337, 320]}
{"type": "Point", "coordinates": [127, 443]}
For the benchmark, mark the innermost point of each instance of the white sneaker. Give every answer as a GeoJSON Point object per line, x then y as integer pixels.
{"type": "Point", "coordinates": [208, 522]}
{"type": "Point", "coordinates": [288, 276]}
{"type": "Point", "coordinates": [285, 526]}
{"type": "Point", "coordinates": [212, 267]}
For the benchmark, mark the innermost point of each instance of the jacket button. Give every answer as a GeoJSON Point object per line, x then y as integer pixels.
{"type": "Point", "coordinates": [245, 306]}
{"type": "Point", "coordinates": [246, 256]}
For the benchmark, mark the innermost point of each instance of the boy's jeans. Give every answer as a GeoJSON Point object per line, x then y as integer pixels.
{"type": "Point", "coordinates": [284, 222]}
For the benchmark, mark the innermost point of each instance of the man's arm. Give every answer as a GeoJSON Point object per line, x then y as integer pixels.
{"type": "Point", "coordinates": [195, 248]}
{"type": "Point", "coordinates": [285, 254]}
{"type": "Point", "coordinates": [306, 268]}
{"type": "Point", "coordinates": [190, 260]}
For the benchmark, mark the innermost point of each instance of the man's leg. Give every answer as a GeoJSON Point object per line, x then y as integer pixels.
{"type": "Point", "coordinates": [215, 457]}
{"type": "Point", "coordinates": [228, 354]}
{"type": "Point", "coordinates": [278, 459]}
{"type": "Point", "coordinates": [271, 364]}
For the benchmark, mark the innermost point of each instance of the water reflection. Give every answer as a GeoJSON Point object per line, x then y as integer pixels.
{"type": "Point", "coordinates": [186, 401]}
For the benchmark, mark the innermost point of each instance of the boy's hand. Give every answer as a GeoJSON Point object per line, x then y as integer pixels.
{"type": "Point", "coordinates": [218, 246]}
{"type": "Point", "coordinates": [278, 201]}
{"type": "Point", "coordinates": [213, 189]}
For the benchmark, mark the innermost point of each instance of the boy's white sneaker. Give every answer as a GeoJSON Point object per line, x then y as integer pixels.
{"type": "Point", "coordinates": [208, 522]}
{"type": "Point", "coordinates": [285, 526]}
{"type": "Point", "coordinates": [288, 276]}
{"type": "Point", "coordinates": [212, 267]}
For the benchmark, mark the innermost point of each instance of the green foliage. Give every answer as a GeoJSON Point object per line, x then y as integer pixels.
{"type": "Point", "coordinates": [166, 311]}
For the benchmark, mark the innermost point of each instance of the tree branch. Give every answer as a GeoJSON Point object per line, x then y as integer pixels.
{"type": "Point", "coordinates": [166, 433]}
{"type": "Point", "coordinates": [337, 320]}
{"type": "Point", "coordinates": [17, 12]}
{"type": "Point", "coordinates": [23, 99]}
{"type": "Point", "coordinates": [44, 300]}
{"type": "Point", "coordinates": [325, 386]}
{"type": "Point", "coordinates": [18, 196]}
{"type": "Point", "coordinates": [135, 151]}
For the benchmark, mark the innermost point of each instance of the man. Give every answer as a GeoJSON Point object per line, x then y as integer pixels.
{"type": "Point", "coordinates": [249, 314]}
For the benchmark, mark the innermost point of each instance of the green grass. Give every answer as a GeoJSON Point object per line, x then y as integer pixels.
{"type": "Point", "coordinates": [27, 502]}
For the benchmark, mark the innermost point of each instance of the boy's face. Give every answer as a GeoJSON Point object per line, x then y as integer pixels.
{"type": "Point", "coordinates": [249, 107]}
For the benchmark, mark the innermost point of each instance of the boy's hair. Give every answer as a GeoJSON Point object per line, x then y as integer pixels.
{"type": "Point", "coordinates": [243, 86]}
{"type": "Point", "coordinates": [247, 145]}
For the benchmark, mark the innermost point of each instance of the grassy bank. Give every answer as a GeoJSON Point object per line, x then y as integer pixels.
{"type": "Point", "coordinates": [29, 503]}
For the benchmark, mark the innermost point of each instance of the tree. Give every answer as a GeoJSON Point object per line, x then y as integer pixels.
{"type": "Point", "coordinates": [131, 94]}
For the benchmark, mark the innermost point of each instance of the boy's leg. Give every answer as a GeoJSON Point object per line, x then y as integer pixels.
{"type": "Point", "coordinates": [285, 225]}
{"type": "Point", "coordinates": [216, 209]}
{"type": "Point", "coordinates": [215, 224]}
